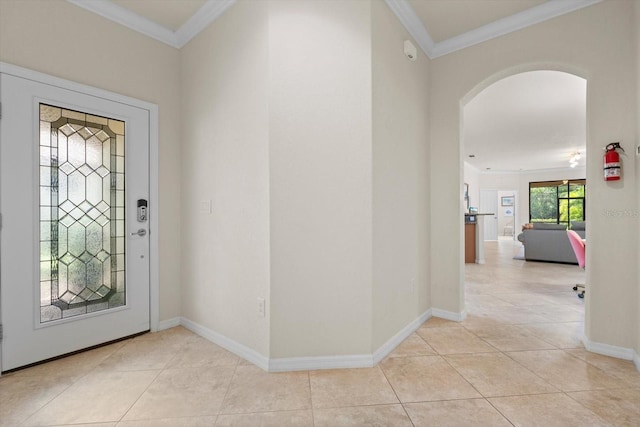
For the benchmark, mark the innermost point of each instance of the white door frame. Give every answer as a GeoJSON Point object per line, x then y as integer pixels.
{"type": "Point", "coordinates": [154, 289]}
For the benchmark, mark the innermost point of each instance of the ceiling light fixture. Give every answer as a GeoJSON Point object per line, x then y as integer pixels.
{"type": "Point", "coordinates": [573, 161]}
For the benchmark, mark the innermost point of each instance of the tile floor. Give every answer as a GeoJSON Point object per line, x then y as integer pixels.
{"type": "Point", "coordinates": [516, 360]}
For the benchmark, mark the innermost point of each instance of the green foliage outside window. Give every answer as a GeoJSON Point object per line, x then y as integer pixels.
{"type": "Point", "coordinates": [557, 202]}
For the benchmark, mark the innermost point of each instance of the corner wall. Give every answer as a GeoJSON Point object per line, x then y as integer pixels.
{"type": "Point", "coordinates": [400, 179]}
{"type": "Point", "coordinates": [63, 40]}
{"type": "Point", "coordinates": [320, 179]}
{"type": "Point", "coordinates": [586, 42]}
{"type": "Point", "coordinates": [225, 176]}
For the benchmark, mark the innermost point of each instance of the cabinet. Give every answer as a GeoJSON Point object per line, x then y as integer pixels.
{"type": "Point", "coordinates": [470, 243]}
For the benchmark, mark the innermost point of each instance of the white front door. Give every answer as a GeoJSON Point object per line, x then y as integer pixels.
{"type": "Point", "coordinates": [74, 271]}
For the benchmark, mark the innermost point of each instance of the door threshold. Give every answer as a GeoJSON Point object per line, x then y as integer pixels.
{"type": "Point", "coordinates": [62, 356]}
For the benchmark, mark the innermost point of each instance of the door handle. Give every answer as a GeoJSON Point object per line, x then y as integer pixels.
{"type": "Point", "coordinates": [141, 232]}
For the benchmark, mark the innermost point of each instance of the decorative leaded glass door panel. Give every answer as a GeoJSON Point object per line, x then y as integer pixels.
{"type": "Point", "coordinates": [74, 266]}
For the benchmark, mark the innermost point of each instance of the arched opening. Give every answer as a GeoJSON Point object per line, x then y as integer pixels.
{"type": "Point", "coordinates": [521, 126]}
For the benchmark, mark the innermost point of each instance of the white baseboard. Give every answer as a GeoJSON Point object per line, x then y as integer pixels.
{"type": "Point", "coordinates": [610, 350]}
{"type": "Point", "coordinates": [395, 341]}
{"type": "Point", "coordinates": [636, 360]}
{"type": "Point", "coordinates": [320, 362]}
{"type": "Point", "coordinates": [310, 363]}
{"type": "Point", "coordinates": [227, 343]}
{"type": "Point", "coordinates": [169, 323]}
{"type": "Point", "coordinates": [449, 315]}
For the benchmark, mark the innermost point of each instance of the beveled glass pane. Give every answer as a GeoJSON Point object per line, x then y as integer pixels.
{"type": "Point", "coordinates": [45, 156]}
{"type": "Point", "coordinates": [81, 189]}
{"type": "Point", "coordinates": [49, 114]}
{"type": "Point", "coordinates": [116, 126]}
{"type": "Point", "coordinates": [97, 120]}
{"type": "Point", "coordinates": [74, 115]}
{"type": "Point", "coordinates": [94, 152]}
{"type": "Point", "coordinates": [76, 150]}
{"type": "Point", "coordinates": [45, 293]}
{"type": "Point", "coordinates": [45, 134]}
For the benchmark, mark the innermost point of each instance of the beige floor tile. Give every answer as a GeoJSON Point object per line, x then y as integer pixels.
{"type": "Point", "coordinates": [486, 301]}
{"type": "Point", "coordinates": [333, 388]}
{"type": "Point", "coordinates": [200, 352]}
{"type": "Point", "coordinates": [558, 313]}
{"type": "Point", "coordinates": [438, 322]}
{"type": "Point", "coordinates": [621, 406]}
{"type": "Point", "coordinates": [426, 378]}
{"type": "Point", "coordinates": [75, 366]}
{"type": "Point", "coordinates": [96, 425]}
{"type": "Point", "coordinates": [561, 335]}
{"type": "Point", "coordinates": [110, 395]}
{"type": "Point", "coordinates": [454, 341]}
{"type": "Point", "coordinates": [377, 415]}
{"type": "Point", "coordinates": [564, 371]}
{"type": "Point", "coordinates": [141, 354]}
{"type": "Point", "coordinates": [22, 396]}
{"type": "Point", "coordinates": [267, 419]}
{"type": "Point", "coordinates": [173, 336]}
{"type": "Point", "coordinates": [509, 337]}
{"type": "Point", "coordinates": [171, 422]}
{"type": "Point", "coordinates": [546, 410]}
{"type": "Point", "coordinates": [455, 413]}
{"type": "Point", "coordinates": [253, 390]}
{"type": "Point", "coordinates": [479, 320]}
{"type": "Point", "coordinates": [619, 368]}
{"type": "Point", "coordinates": [495, 374]}
{"type": "Point", "coordinates": [183, 392]}
{"type": "Point", "coordinates": [413, 345]}
{"type": "Point", "coordinates": [514, 315]}
{"type": "Point", "coordinates": [528, 298]}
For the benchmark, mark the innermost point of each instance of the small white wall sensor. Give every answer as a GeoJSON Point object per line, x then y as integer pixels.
{"type": "Point", "coordinates": [410, 50]}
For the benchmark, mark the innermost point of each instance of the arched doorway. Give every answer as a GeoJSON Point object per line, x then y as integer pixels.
{"type": "Point", "coordinates": [519, 126]}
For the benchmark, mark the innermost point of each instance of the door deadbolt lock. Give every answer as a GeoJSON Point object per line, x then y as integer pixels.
{"type": "Point", "coordinates": [142, 210]}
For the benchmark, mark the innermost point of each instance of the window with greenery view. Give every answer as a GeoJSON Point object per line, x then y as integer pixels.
{"type": "Point", "coordinates": [557, 202]}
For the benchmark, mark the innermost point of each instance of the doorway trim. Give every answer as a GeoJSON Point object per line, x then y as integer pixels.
{"type": "Point", "coordinates": [154, 275]}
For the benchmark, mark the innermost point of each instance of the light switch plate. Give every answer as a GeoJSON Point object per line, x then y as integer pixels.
{"type": "Point", "coordinates": [205, 206]}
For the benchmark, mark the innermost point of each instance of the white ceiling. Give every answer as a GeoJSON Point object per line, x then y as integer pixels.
{"type": "Point", "coordinates": [529, 121]}
{"type": "Point", "coordinates": [521, 123]}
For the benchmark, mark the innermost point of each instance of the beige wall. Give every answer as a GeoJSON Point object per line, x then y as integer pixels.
{"type": "Point", "coordinates": [637, 27]}
{"type": "Point", "coordinates": [320, 182]}
{"type": "Point", "coordinates": [60, 39]}
{"type": "Point", "coordinates": [471, 176]}
{"type": "Point", "coordinates": [401, 290]}
{"type": "Point", "coordinates": [595, 42]}
{"type": "Point", "coordinates": [225, 160]}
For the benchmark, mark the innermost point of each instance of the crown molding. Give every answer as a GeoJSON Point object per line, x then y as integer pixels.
{"type": "Point", "coordinates": [535, 15]}
{"type": "Point", "coordinates": [133, 21]}
{"type": "Point", "coordinates": [213, 9]}
{"type": "Point", "coordinates": [209, 12]}
{"type": "Point", "coordinates": [526, 18]}
{"type": "Point", "coordinates": [413, 24]}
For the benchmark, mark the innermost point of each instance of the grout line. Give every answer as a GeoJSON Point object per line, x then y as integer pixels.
{"type": "Point", "coordinates": [396, 394]}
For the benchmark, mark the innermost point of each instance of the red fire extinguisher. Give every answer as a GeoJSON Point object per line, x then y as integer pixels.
{"type": "Point", "coordinates": [612, 165]}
